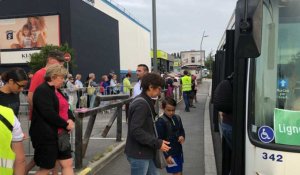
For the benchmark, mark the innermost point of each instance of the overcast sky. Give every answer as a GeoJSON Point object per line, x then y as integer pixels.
{"type": "Point", "coordinates": [180, 23]}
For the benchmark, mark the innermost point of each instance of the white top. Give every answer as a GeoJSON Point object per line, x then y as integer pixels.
{"type": "Point", "coordinates": [26, 42]}
{"type": "Point", "coordinates": [79, 83]}
{"type": "Point", "coordinates": [72, 88]}
{"type": "Point", "coordinates": [113, 83]}
{"type": "Point", "coordinates": [17, 133]}
{"type": "Point", "coordinates": [137, 89]}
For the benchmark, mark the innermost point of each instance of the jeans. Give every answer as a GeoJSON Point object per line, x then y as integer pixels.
{"type": "Point", "coordinates": [142, 166]}
{"type": "Point", "coordinates": [227, 133]}
{"type": "Point", "coordinates": [186, 98]}
{"type": "Point", "coordinates": [92, 100]}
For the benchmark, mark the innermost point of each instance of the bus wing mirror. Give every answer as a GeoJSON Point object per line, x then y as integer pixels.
{"type": "Point", "coordinates": [248, 24]}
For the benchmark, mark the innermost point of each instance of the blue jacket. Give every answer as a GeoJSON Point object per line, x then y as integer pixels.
{"type": "Point", "coordinates": [171, 134]}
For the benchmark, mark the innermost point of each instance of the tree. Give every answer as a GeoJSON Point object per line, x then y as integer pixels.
{"type": "Point", "coordinates": [209, 61]}
{"type": "Point", "coordinates": [38, 60]}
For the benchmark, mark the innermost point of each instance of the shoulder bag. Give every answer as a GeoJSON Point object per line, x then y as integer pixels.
{"type": "Point", "coordinates": [90, 89]}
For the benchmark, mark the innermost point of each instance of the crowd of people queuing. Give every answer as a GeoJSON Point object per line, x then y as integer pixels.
{"type": "Point", "coordinates": [53, 95]}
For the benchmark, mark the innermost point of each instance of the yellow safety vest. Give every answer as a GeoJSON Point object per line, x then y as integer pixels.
{"type": "Point", "coordinates": [186, 83]}
{"type": "Point", "coordinates": [7, 156]}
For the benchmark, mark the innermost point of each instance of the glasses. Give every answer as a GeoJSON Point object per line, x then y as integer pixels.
{"type": "Point", "coordinates": [19, 85]}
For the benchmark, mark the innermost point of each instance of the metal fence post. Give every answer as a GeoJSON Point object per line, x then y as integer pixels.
{"type": "Point", "coordinates": [78, 142]}
{"type": "Point", "coordinates": [119, 124]}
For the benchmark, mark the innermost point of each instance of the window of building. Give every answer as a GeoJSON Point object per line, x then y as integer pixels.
{"type": "Point", "coordinates": [193, 59]}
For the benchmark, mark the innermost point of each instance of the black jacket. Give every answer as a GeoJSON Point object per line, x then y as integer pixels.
{"type": "Point", "coordinates": [45, 116]}
{"type": "Point", "coordinates": [141, 141]}
{"type": "Point", "coordinates": [170, 130]}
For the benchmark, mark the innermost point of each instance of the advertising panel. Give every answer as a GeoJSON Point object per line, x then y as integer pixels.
{"type": "Point", "coordinates": [20, 37]}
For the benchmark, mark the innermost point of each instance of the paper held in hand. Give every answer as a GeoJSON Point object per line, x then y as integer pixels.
{"type": "Point", "coordinates": [173, 164]}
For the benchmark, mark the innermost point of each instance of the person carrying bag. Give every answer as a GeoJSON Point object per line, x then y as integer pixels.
{"type": "Point", "coordinates": [142, 144]}
{"type": "Point", "coordinates": [159, 159]}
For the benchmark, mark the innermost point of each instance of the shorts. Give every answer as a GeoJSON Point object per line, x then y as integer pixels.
{"type": "Point", "coordinates": [45, 156]}
{"type": "Point", "coordinates": [178, 168]}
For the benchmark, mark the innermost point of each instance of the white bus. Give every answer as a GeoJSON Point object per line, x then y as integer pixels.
{"type": "Point", "coordinates": [262, 48]}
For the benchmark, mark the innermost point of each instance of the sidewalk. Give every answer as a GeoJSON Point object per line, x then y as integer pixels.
{"type": "Point", "coordinates": [198, 149]}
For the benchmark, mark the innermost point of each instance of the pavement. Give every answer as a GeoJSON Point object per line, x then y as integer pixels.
{"type": "Point", "coordinates": [105, 156]}
{"type": "Point", "coordinates": [198, 148]}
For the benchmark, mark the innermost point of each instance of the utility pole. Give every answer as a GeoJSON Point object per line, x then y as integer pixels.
{"type": "Point", "coordinates": [154, 36]}
{"type": "Point", "coordinates": [203, 35]}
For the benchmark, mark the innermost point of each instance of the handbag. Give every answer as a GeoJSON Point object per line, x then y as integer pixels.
{"type": "Point", "coordinates": [159, 159]}
{"type": "Point", "coordinates": [91, 90]}
{"type": "Point", "coordinates": [64, 141]}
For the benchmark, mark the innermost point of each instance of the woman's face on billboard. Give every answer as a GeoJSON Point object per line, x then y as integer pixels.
{"type": "Point", "coordinates": [32, 20]}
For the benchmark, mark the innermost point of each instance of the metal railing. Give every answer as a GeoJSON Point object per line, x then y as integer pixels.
{"type": "Point", "coordinates": [81, 142]}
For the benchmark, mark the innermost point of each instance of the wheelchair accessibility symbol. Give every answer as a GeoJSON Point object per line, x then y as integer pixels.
{"type": "Point", "coordinates": [266, 134]}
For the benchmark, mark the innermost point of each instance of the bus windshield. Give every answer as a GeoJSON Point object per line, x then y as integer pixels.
{"type": "Point", "coordinates": [274, 101]}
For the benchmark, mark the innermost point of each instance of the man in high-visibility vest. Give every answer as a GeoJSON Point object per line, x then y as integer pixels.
{"type": "Point", "coordinates": [186, 82]}
{"type": "Point", "coordinates": [12, 158]}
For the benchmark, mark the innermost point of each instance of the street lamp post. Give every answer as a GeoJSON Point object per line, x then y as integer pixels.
{"type": "Point", "coordinates": [203, 35]}
{"type": "Point", "coordinates": [154, 35]}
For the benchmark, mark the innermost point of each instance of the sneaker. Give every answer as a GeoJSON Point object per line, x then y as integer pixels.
{"type": "Point", "coordinates": [192, 106]}
{"type": "Point", "coordinates": [187, 110]}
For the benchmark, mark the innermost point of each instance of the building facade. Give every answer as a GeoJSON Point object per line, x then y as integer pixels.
{"type": "Point", "coordinates": [193, 61]}
{"type": "Point", "coordinates": [102, 35]}
{"type": "Point", "coordinates": [192, 57]}
{"type": "Point", "coordinates": [162, 61]}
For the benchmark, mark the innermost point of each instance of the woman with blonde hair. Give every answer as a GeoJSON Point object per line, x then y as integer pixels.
{"type": "Point", "coordinates": [51, 118]}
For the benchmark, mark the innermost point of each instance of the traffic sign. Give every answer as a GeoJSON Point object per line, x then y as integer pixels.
{"type": "Point", "coordinates": [67, 57]}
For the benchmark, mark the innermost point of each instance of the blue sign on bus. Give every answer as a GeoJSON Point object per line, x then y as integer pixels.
{"type": "Point", "coordinates": [266, 134]}
{"type": "Point", "coordinates": [283, 83]}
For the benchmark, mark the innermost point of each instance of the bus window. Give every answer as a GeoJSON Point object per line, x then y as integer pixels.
{"type": "Point", "coordinates": [275, 91]}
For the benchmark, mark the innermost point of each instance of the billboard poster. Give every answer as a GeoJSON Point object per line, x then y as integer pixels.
{"type": "Point", "coordinates": [20, 37]}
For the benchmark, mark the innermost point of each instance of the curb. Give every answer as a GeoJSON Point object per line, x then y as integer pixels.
{"type": "Point", "coordinates": [209, 155]}
{"type": "Point", "coordinates": [96, 166]}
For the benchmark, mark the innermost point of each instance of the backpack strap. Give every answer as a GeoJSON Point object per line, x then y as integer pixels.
{"type": "Point", "coordinates": [6, 123]}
